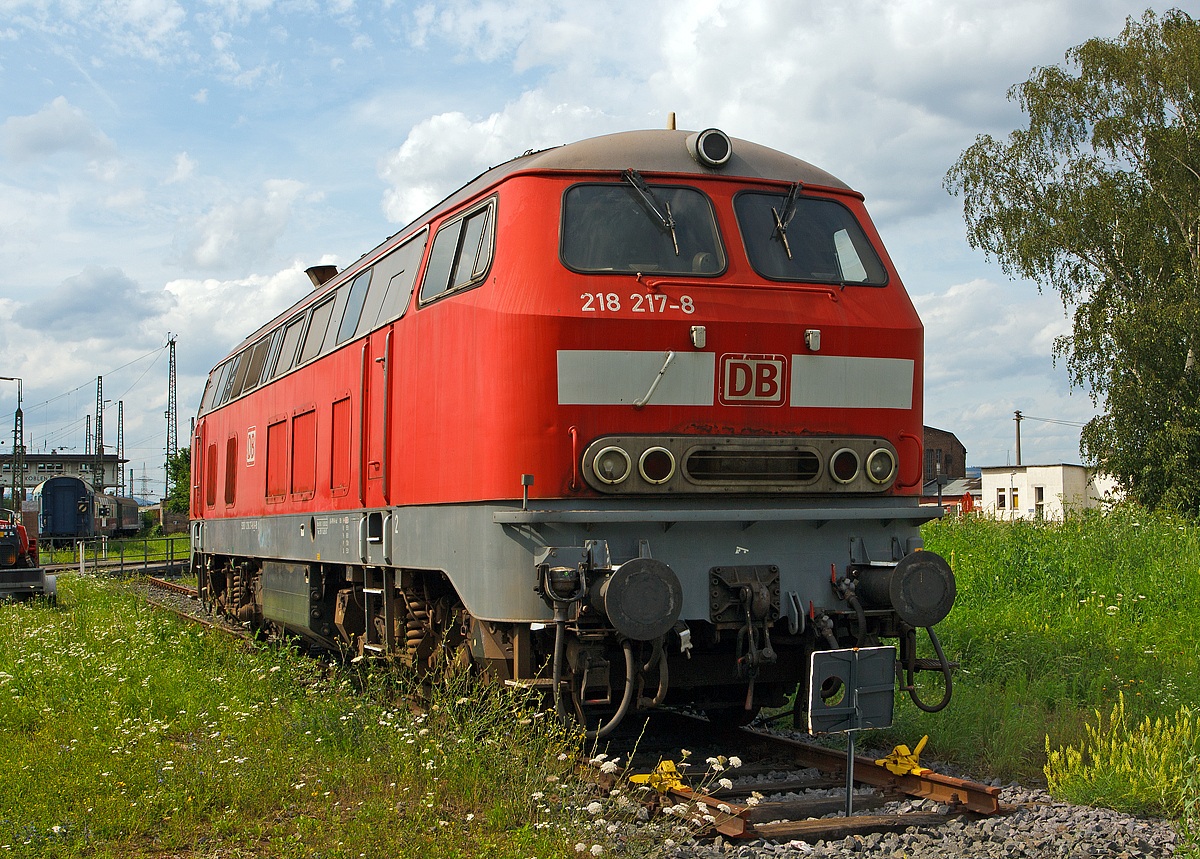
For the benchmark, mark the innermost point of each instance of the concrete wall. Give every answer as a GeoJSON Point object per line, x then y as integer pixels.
{"type": "Point", "coordinates": [1062, 487]}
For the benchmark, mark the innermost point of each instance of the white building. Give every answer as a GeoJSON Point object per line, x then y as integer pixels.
{"type": "Point", "coordinates": [1043, 491]}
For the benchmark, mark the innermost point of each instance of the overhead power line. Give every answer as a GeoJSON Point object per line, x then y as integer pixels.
{"type": "Point", "coordinates": [1053, 421]}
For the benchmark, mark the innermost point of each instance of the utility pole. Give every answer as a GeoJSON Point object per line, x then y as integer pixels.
{"type": "Point", "coordinates": [172, 422]}
{"type": "Point", "coordinates": [120, 448]}
{"type": "Point", "coordinates": [98, 458]}
{"type": "Point", "coordinates": [1017, 418]}
{"type": "Point", "coordinates": [18, 450]}
{"type": "Point", "coordinates": [87, 438]}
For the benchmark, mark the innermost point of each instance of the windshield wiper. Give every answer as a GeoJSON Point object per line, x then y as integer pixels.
{"type": "Point", "coordinates": [660, 210]}
{"type": "Point", "coordinates": [782, 221]}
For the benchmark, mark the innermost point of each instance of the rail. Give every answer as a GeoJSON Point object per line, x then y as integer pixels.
{"type": "Point", "coordinates": [121, 556]}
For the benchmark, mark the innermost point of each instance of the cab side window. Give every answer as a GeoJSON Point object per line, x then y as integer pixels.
{"type": "Point", "coordinates": [462, 252]}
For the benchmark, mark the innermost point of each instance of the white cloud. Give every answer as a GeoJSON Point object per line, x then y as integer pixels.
{"type": "Point", "coordinates": [212, 316]}
{"type": "Point", "coordinates": [444, 151]}
{"type": "Point", "coordinates": [146, 28]}
{"type": "Point", "coordinates": [185, 168]}
{"type": "Point", "coordinates": [57, 127]}
{"type": "Point", "coordinates": [201, 97]}
{"type": "Point", "coordinates": [1009, 333]}
{"type": "Point", "coordinates": [83, 305]}
{"type": "Point", "coordinates": [127, 198]}
{"type": "Point", "coordinates": [988, 352]}
{"type": "Point", "coordinates": [239, 232]}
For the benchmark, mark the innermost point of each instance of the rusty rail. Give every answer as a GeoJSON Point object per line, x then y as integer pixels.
{"type": "Point", "coordinates": [168, 585]}
{"type": "Point", "coordinates": [957, 793]}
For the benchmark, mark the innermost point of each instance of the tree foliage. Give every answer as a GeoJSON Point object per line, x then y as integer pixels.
{"type": "Point", "coordinates": [179, 481]}
{"type": "Point", "coordinates": [1099, 199]}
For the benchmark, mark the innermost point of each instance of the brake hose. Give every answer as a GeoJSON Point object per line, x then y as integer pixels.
{"type": "Point", "coordinates": [945, 667]}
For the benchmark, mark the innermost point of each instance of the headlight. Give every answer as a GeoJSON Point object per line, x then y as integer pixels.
{"type": "Point", "coordinates": [611, 465]}
{"type": "Point", "coordinates": [881, 466]}
{"type": "Point", "coordinates": [844, 465]}
{"type": "Point", "coordinates": [657, 465]}
{"type": "Point", "coordinates": [711, 147]}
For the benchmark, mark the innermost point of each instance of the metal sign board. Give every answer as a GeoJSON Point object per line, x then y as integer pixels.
{"type": "Point", "coordinates": [865, 680]}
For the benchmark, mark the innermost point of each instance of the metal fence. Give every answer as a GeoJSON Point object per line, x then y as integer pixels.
{"type": "Point", "coordinates": [159, 555]}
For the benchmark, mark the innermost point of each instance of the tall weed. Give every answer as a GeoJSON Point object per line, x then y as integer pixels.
{"type": "Point", "coordinates": [1056, 620]}
{"type": "Point", "coordinates": [1145, 767]}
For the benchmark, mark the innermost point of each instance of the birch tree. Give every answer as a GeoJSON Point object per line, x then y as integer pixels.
{"type": "Point", "coordinates": [1098, 198]}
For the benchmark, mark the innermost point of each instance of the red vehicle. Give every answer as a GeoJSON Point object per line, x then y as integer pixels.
{"type": "Point", "coordinates": [21, 577]}
{"type": "Point", "coordinates": [642, 412]}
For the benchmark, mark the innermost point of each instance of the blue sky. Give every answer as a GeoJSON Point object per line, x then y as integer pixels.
{"type": "Point", "coordinates": [171, 167]}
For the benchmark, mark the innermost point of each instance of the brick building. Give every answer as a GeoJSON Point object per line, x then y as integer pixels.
{"type": "Point", "coordinates": [944, 448]}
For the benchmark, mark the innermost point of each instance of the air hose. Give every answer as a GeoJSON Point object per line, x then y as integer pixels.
{"type": "Point", "coordinates": [943, 664]}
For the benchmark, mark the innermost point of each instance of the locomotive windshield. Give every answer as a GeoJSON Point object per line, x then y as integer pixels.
{"type": "Point", "coordinates": [818, 240]}
{"type": "Point", "coordinates": [612, 228]}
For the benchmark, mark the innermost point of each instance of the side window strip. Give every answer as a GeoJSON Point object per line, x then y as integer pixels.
{"type": "Point", "coordinates": [354, 306]}
{"type": "Point", "coordinates": [287, 352]}
{"type": "Point", "coordinates": [316, 330]}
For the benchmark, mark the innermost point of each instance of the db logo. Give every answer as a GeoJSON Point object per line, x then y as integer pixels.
{"type": "Point", "coordinates": [753, 380]}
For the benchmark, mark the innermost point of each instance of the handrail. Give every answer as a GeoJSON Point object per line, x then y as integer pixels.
{"type": "Point", "coordinates": [920, 468]}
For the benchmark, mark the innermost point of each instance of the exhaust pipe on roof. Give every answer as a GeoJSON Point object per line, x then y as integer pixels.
{"type": "Point", "coordinates": [321, 274]}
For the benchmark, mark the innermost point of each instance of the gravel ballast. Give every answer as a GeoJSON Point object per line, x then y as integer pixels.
{"type": "Point", "coordinates": [1038, 828]}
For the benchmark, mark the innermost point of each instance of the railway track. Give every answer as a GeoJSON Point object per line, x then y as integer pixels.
{"type": "Point", "coordinates": [812, 777]}
{"type": "Point", "coordinates": [805, 819]}
{"type": "Point", "coordinates": [803, 794]}
{"type": "Point", "coordinates": [174, 587]}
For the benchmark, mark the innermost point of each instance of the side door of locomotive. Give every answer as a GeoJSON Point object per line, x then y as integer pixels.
{"type": "Point", "coordinates": [198, 470]}
{"type": "Point", "coordinates": [386, 302]}
{"type": "Point", "coordinates": [378, 397]}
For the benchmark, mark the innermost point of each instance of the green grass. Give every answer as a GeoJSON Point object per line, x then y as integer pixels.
{"type": "Point", "coordinates": [1054, 624]}
{"type": "Point", "coordinates": [126, 731]}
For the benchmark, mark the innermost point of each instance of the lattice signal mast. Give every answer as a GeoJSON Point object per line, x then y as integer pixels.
{"type": "Point", "coordinates": [121, 448]}
{"type": "Point", "coordinates": [98, 448]}
{"type": "Point", "coordinates": [18, 449]}
{"type": "Point", "coordinates": [172, 422]}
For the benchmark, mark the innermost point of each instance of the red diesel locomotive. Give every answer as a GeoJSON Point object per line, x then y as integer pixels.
{"type": "Point", "coordinates": [636, 419]}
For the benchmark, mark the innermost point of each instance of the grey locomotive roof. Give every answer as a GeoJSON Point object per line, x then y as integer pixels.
{"type": "Point", "coordinates": [660, 151]}
{"type": "Point", "coordinates": [647, 151]}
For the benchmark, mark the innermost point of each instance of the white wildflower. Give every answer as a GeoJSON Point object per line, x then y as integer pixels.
{"type": "Point", "coordinates": [735, 761]}
{"type": "Point", "coordinates": [609, 767]}
{"type": "Point", "coordinates": [726, 783]}
{"type": "Point", "coordinates": [725, 808]}
{"type": "Point", "coordinates": [594, 808]}
{"type": "Point", "coordinates": [597, 850]}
